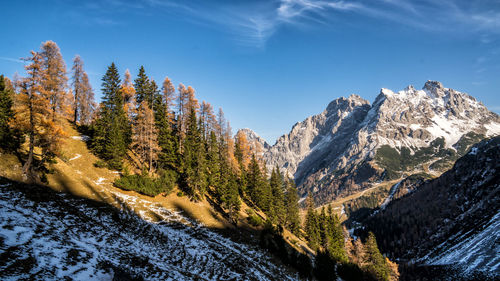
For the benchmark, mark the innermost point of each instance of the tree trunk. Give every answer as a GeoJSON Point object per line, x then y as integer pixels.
{"type": "Point", "coordinates": [27, 166]}
{"type": "Point", "coordinates": [76, 107]}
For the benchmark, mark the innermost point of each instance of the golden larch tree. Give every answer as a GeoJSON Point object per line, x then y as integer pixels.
{"type": "Point", "coordinates": [244, 147]}
{"type": "Point", "coordinates": [144, 137]}
{"type": "Point", "coordinates": [33, 115]}
{"type": "Point", "coordinates": [55, 80]}
{"type": "Point", "coordinates": [168, 91]}
{"type": "Point", "coordinates": [83, 95]}
{"type": "Point", "coordinates": [128, 91]}
{"type": "Point", "coordinates": [208, 120]}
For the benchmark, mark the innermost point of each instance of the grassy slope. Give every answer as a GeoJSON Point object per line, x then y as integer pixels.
{"type": "Point", "coordinates": [75, 173]}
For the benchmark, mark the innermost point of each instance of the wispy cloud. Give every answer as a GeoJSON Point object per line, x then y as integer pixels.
{"type": "Point", "coordinates": [11, 59]}
{"type": "Point", "coordinates": [253, 22]}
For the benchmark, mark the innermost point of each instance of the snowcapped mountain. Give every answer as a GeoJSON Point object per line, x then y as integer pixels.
{"type": "Point", "coordinates": [451, 220]}
{"type": "Point", "coordinates": [352, 144]}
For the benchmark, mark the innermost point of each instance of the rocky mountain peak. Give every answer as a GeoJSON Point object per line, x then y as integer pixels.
{"type": "Point", "coordinates": [334, 153]}
{"type": "Point", "coordinates": [343, 104]}
{"type": "Point", "coordinates": [434, 88]}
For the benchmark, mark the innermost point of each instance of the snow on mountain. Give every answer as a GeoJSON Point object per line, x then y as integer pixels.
{"type": "Point", "coordinates": [335, 152]}
{"type": "Point", "coordinates": [451, 220]}
{"type": "Point", "coordinates": [56, 236]}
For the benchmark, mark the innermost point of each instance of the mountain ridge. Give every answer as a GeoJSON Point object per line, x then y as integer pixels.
{"type": "Point", "coordinates": [341, 150]}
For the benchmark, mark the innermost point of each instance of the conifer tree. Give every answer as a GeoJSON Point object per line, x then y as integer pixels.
{"type": "Point", "coordinates": [242, 149]}
{"type": "Point", "coordinates": [194, 167]}
{"type": "Point", "coordinates": [83, 96]}
{"type": "Point", "coordinates": [213, 161]}
{"type": "Point", "coordinates": [182, 114]}
{"type": "Point", "coordinates": [335, 237]}
{"type": "Point", "coordinates": [377, 265]}
{"type": "Point", "coordinates": [33, 116]}
{"type": "Point", "coordinates": [87, 104]}
{"type": "Point", "coordinates": [207, 117]}
{"type": "Point", "coordinates": [10, 138]}
{"type": "Point", "coordinates": [312, 225]}
{"type": "Point", "coordinates": [258, 187]}
{"type": "Point", "coordinates": [277, 209]}
{"type": "Point", "coordinates": [144, 138]}
{"type": "Point", "coordinates": [112, 128]}
{"type": "Point", "coordinates": [231, 200]}
{"type": "Point", "coordinates": [292, 221]}
{"type": "Point", "coordinates": [55, 80]}
{"type": "Point", "coordinates": [128, 92]}
{"type": "Point", "coordinates": [142, 88]}
{"type": "Point", "coordinates": [168, 157]}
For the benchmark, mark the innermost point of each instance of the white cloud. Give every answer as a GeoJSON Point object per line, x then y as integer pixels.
{"type": "Point", "coordinates": [11, 59]}
{"type": "Point", "coordinates": [253, 23]}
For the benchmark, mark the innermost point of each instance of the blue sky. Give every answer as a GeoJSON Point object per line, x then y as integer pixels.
{"type": "Point", "coordinates": [270, 64]}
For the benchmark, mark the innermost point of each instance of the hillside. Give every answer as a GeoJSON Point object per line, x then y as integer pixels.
{"type": "Point", "coordinates": [96, 208]}
{"type": "Point", "coordinates": [451, 220]}
{"type": "Point", "coordinates": [353, 145]}
{"type": "Point", "coordinates": [51, 235]}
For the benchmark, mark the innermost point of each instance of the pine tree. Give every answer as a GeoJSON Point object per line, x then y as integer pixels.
{"type": "Point", "coordinates": [257, 186]}
{"type": "Point", "coordinates": [277, 208]}
{"type": "Point", "coordinates": [335, 237]}
{"type": "Point", "coordinates": [312, 224]}
{"type": "Point", "coordinates": [10, 138]}
{"type": "Point", "coordinates": [292, 221]}
{"type": "Point", "coordinates": [213, 162]}
{"type": "Point", "coordinates": [231, 200]}
{"type": "Point", "coordinates": [168, 157]}
{"type": "Point", "coordinates": [194, 166]}
{"type": "Point", "coordinates": [112, 128]}
{"type": "Point", "coordinates": [142, 88]}
{"type": "Point", "coordinates": [377, 265]}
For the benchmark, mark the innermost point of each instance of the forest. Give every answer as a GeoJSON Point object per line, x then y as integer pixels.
{"type": "Point", "coordinates": [161, 138]}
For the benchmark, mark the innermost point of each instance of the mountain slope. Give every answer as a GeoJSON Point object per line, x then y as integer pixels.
{"type": "Point", "coordinates": [453, 219]}
{"type": "Point", "coordinates": [352, 144]}
{"type": "Point", "coordinates": [51, 235]}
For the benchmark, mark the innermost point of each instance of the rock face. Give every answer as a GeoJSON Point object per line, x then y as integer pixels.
{"type": "Point", "coordinates": [253, 138]}
{"type": "Point", "coordinates": [453, 219]}
{"type": "Point", "coordinates": [352, 144]}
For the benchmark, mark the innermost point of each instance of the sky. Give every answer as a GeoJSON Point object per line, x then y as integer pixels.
{"type": "Point", "coordinates": [270, 64]}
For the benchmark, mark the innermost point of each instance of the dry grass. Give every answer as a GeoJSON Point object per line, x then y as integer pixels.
{"type": "Point", "coordinates": [75, 173]}
{"type": "Point", "coordinates": [338, 203]}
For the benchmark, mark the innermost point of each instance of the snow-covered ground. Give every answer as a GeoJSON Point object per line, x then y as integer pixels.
{"type": "Point", "coordinates": [393, 190]}
{"type": "Point", "coordinates": [53, 237]}
{"type": "Point", "coordinates": [471, 252]}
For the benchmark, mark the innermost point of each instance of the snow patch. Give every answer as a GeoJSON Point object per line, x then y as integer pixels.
{"type": "Point", "coordinates": [394, 188]}
{"type": "Point", "coordinates": [100, 181]}
{"type": "Point", "coordinates": [76, 157]}
{"type": "Point", "coordinates": [82, 138]}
